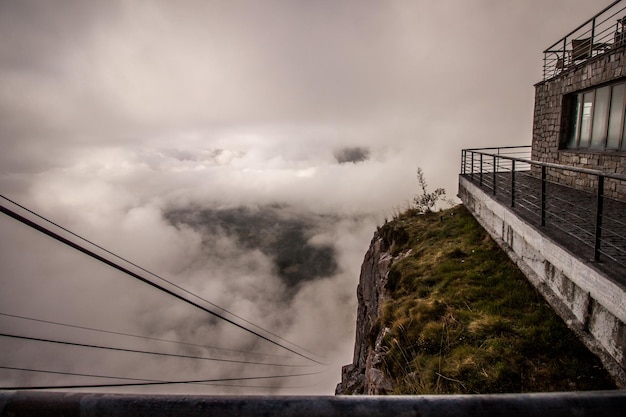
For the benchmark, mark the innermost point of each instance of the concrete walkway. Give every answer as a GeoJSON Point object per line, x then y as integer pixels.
{"type": "Point", "coordinates": [570, 218]}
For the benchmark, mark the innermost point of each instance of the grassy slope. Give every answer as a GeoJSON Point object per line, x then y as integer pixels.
{"type": "Point", "coordinates": [463, 318]}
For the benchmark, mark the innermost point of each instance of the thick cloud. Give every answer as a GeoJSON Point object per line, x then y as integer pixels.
{"type": "Point", "coordinates": [116, 115]}
{"type": "Point", "coordinates": [352, 154]}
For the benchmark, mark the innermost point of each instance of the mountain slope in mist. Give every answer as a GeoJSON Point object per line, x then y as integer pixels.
{"type": "Point", "coordinates": [271, 229]}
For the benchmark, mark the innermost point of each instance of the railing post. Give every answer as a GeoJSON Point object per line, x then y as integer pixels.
{"type": "Point", "coordinates": [493, 175]}
{"type": "Point", "coordinates": [472, 166]}
{"type": "Point", "coordinates": [481, 169]}
{"type": "Point", "coordinates": [593, 35]}
{"type": "Point", "coordinates": [463, 154]}
{"type": "Point", "coordinates": [513, 183]}
{"type": "Point", "coordinates": [599, 207]}
{"type": "Point", "coordinates": [543, 195]}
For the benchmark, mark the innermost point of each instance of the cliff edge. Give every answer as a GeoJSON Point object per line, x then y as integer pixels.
{"type": "Point", "coordinates": [442, 310]}
{"type": "Point", "coordinates": [364, 375]}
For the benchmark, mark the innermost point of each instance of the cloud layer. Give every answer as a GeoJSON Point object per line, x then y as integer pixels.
{"type": "Point", "coordinates": [116, 114]}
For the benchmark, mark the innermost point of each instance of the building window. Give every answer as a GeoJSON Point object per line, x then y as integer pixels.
{"type": "Point", "coordinates": [598, 119]}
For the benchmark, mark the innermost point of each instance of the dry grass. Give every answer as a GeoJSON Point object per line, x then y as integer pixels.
{"type": "Point", "coordinates": [464, 319]}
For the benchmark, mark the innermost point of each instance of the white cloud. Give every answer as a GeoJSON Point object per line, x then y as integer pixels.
{"type": "Point", "coordinates": [112, 114]}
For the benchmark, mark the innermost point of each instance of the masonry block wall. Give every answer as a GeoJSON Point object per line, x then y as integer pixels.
{"type": "Point", "coordinates": [551, 123]}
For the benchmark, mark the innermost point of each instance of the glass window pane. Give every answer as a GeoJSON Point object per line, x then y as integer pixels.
{"type": "Point", "coordinates": [600, 117]}
{"type": "Point", "coordinates": [616, 116]}
{"type": "Point", "coordinates": [572, 141]}
{"type": "Point", "coordinates": [585, 122]}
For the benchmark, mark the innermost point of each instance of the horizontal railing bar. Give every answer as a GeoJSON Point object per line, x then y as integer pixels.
{"type": "Point", "coordinates": [610, 17]}
{"type": "Point", "coordinates": [572, 216]}
{"type": "Point", "coordinates": [586, 217]}
{"type": "Point", "coordinates": [587, 197]}
{"type": "Point", "coordinates": [569, 203]}
{"type": "Point", "coordinates": [500, 147]}
{"type": "Point", "coordinates": [589, 245]}
{"type": "Point", "coordinates": [570, 210]}
{"type": "Point", "coordinates": [601, 29]}
{"type": "Point", "coordinates": [580, 209]}
{"type": "Point", "coordinates": [583, 25]}
{"type": "Point", "coordinates": [523, 175]}
{"type": "Point", "coordinates": [613, 245]}
{"type": "Point", "coordinates": [616, 221]}
{"type": "Point", "coordinates": [533, 201]}
{"type": "Point", "coordinates": [611, 257]}
{"type": "Point", "coordinates": [611, 239]}
{"type": "Point", "coordinates": [530, 209]}
{"type": "Point", "coordinates": [555, 166]}
{"type": "Point", "coordinates": [529, 197]}
{"type": "Point", "coordinates": [582, 404]}
{"type": "Point", "coordinates": [582, 231]}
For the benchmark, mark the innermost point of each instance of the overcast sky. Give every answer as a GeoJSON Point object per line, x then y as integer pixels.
{"type": "Point", "coordinates": [115, 113]}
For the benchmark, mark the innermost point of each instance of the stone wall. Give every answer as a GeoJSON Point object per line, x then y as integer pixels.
{"type": "Point", "coordinates": [551, 123]}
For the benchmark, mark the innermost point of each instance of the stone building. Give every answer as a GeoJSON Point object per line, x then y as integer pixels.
{"type": "Point", "coordinates": [579, 117]}
{"type": "Point", "coordinates": [559, 211]}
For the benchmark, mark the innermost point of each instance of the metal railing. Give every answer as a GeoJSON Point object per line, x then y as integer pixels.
{"type": "Point", "coordinates": [582, 404]}
{"type": "Point", "coordinates": [606, 31]}
{"type": "Point", "coordinates": [584, 215]}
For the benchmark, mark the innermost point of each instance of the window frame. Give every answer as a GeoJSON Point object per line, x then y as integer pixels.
{"type": "Point", "coordinates": [575, 121]}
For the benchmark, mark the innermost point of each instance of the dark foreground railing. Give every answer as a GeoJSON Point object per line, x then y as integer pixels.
{"type": "Point", "coordinates": [585, 215]}
{"type": "Point", "coordinates": [581, 404]}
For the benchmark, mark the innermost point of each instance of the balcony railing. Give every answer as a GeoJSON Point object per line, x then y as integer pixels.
{"type": "Point", "coordinates": [584, 218]}
{"type": "Point", "coordinates": [604, 32]}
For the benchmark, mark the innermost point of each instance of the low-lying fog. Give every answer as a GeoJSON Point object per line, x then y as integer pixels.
{"type": "Point", "coordinates": [245, 151]}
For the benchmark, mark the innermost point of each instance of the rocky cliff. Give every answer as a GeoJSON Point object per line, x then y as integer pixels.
{"type": "Point", "coordinates": [364, 375]}
{"type": "Point", "coordinates": [442, 310]}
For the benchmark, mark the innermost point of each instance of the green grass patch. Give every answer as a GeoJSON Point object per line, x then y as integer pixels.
{"type": "Point", "coordinates": [464, 319]}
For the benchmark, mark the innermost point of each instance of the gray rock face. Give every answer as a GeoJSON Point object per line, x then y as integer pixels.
{"type": "Point", "coordinates": [364, 375]}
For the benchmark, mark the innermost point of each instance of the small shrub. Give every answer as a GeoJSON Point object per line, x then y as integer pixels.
{"type": "Point", "coordinates": [426, 202]}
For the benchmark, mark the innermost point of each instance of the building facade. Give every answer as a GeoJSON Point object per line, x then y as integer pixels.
{"type": "Point", "coordinates": [580, 107]}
